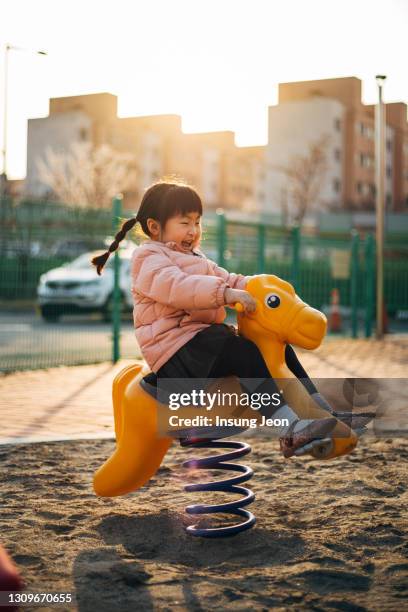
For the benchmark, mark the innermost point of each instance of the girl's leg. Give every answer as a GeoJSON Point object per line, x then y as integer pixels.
{"type": "Point", "coordinates": [298, 370]}
{"type": "Point", "coordinates": [358, 423]}
{"type": "Point", "coordinates": [242, 358]}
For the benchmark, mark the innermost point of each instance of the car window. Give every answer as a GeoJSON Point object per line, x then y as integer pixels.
{"type": "Point", "coordinates": [80, 263]}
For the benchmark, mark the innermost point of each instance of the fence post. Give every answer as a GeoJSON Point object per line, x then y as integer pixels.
{"type": "Point", "coordinates": [370, 283]}
{"type": "Point", "coordinates": [116, 213]}
{"type": "Point", "coordinates": [261, 249]}
{"type": "Point", "coordinates": [354, 282]}
{"type": "Point", "coordinates": [6, 205]}
{"type": "Point", "coordinates": [295, 256]}
{"type": "Point", "coordinates": [221, 237]}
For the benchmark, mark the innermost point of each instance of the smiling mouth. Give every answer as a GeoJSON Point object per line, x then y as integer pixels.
{"type": "Point", "coordinates": [187, 245]}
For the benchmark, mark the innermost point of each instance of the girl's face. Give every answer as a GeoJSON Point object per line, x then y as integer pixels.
{"type": "Point", "coordinates": [185, 230]}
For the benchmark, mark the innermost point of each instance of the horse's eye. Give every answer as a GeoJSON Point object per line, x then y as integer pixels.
{"type": "Point", "coordinates": [272, 300]}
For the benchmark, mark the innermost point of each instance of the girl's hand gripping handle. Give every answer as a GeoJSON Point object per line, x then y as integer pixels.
{"type": "Point", "coordinates": [240, 299]}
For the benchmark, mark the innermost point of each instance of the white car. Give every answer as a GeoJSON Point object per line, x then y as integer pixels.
{"type": "Point", "coordinates": [76, 287]}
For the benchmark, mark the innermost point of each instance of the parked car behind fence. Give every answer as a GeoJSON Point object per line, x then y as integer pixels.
{"type": "Point", "coordinates": [75, 287]}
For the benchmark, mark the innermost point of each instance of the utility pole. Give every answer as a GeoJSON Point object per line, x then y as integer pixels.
{"type": "Point", "coordinates": [7, 49]}
{"type": "Point", "coordinates": [3, 175]}
{"type": "Point", "coordinates": [380, 199]}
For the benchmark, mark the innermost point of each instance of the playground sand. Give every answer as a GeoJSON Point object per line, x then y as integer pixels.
{"type": "Point", "coordinates": [329, 536]}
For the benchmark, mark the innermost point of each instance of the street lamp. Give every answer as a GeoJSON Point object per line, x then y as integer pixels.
{"type": "Point", "coordinates": [9, 48]}
{"type": "Point", "coordinates": [380, 197]}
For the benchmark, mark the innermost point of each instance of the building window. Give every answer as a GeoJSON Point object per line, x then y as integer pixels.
{"type": "Point", "coordinates": [336, 185]}
{"type": "Point", "coordinates": [364, 160]}
{"type": "Point", "coordinates": [337, 154]}
{"type": "Point", "coordinates": [363, 188]}
{"type": "Point", "coordinates": [389, 145]}
{"type": "Point", "coordinates": [337, 125]}
{"type": "Point", "coordinates": [389, 171]}
{"type": "Point", "coordinates": [373, 189]}
{"type": "Point", "coordinates": [364, 130]}
{"type": "Point", "coordinates": [388, 200]}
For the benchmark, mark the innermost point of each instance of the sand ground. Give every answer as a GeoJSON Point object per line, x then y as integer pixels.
{"type": "Point", "coordinates": [329, 535]}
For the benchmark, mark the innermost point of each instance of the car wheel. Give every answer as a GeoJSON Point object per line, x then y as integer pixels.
{"type": "Point", "coordinates": [107, 311]}
{"type": "Point", "coordinates": [50, 314]}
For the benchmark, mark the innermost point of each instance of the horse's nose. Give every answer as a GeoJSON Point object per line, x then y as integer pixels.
{"type": "Point", "coordinates": [308, 328]}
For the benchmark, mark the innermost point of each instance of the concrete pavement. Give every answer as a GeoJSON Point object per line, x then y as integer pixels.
{"type": "Point", "coordinates": [75, 401]}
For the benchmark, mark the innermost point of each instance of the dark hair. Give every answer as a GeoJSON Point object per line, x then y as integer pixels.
{"type": "Point", "coordinates": [161, 202]}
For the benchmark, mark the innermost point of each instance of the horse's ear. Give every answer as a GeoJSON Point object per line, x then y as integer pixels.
{"type": "Point", "coordinates": [256, 284]}
{"type": "Point", "coordinates": [285, 286]}
{"type": "Point", "coordinates": [268, 281]}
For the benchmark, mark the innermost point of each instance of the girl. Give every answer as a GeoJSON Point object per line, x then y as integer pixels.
{"type": "Point", "coordinates": [179, 297]}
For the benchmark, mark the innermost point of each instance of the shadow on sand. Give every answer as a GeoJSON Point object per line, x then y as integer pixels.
{"type": "Point", "coordinates": [103, 576]}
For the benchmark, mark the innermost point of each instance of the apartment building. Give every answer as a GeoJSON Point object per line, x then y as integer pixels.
{"type": "Point", "coordinates": [206, 160]}
{"type": "Point", "coordinates": [245, 178]}
{"type": "Point", "coordinates": [200, 159]}
{"type": "Point", "coordinates": [294, 127]}
{"type": "Point", "coordinates": [93, 118]}
{"type": "Point", "coordinates": [310, 110]}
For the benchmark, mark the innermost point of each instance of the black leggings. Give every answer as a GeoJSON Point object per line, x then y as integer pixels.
{"type": "Point", "coordinates": [241, 357]}
{"type": "Point", "coordinates": [297, 369]}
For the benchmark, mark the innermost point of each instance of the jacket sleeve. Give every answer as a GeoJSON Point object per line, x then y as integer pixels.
{"type": "Point", "coordinates": [233, 280]}
{"type": "Point", "coordinates": [155, 276]}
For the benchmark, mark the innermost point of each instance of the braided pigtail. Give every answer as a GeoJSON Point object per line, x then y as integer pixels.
{"type": "Point", "coordinates": [101, 260]}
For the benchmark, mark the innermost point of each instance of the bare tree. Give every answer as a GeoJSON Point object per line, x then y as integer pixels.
{"type": "Point", "coordinates": [87, 176]}
{"type": "Point", "coordinates": [305, 174]}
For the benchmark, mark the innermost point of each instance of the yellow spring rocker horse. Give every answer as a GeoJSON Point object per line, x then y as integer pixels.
{"type": "Point", "coordinates": [280, 318]}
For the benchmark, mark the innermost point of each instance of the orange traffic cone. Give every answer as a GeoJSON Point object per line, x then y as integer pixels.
{"type": "Point", "coordinates": [335, 316]}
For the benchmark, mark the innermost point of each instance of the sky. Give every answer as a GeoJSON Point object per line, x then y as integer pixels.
{"type": "Point", "coordinates": [217, 63]}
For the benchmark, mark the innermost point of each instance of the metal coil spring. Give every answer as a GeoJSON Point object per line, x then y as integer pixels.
{"type": "Point", "coordinates": [228, 486]}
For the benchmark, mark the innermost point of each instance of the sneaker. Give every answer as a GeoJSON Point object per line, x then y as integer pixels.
{"type": "Point", "coordinates": [317, 429]}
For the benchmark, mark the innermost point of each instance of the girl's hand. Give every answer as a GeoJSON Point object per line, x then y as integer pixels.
{"type": "Point", "coordinates": [231, 296]}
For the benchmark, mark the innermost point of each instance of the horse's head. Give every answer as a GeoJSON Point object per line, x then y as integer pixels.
{"type": "Point", "coordinates": [282, 313]}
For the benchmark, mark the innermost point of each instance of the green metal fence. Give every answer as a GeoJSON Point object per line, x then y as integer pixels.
{"type": "Point", "coordinates": [37, 237]}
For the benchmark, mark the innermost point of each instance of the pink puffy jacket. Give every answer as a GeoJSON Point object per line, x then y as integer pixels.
{"type": "Point", "coordinates": [175, 294]}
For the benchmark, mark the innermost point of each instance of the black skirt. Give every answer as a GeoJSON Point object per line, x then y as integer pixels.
{"type": "Point", "coordinates": [196, 358]}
